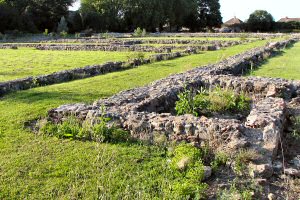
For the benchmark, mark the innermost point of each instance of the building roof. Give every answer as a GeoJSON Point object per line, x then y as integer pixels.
{"type": "Point", "coordinates": [286, 19]}
{"type": "Point", "coordinates": [233, 21]}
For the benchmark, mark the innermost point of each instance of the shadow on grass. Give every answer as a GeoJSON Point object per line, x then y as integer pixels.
{"type": "Point", "coordinates": [265, 62]}
{"type": "Point", "coordinates": [31, 96]}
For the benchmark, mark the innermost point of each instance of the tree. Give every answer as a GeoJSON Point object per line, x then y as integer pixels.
{"type": "Point", "coordinates": [260, 20]}
{"type": "Point", "coordinates": [179, 10]}
{"type": "Point", "coordinates": [207, 14]}
{"type": "Point", "coordinates": [62, 25]}
{"type": "Point", "coordinates": [75, 22]}
{"type": "Point", "coordinates": [214, 18]}
{"type": "Point", "coordinates": [40, 13]}
{"type": "Point", "coordinates": [127, 15]}
{"type": "Point", "coordinates": [8, 17]}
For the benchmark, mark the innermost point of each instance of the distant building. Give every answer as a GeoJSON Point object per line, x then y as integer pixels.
{"type": "Point", "coordinates": [233, 22]}
{"type": "Point", "coordinates": [232, 25]}
{"type": "Point", "coordinates": [286, 20]}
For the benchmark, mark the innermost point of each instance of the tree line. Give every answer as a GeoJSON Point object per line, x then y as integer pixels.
{"type": "Point", "coordinates": [109, 15]}
{"type": "Point", "coordinates": [263, 21]}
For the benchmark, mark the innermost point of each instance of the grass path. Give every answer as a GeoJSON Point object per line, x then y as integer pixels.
{"type": "Point", "coordinates": [287, 65]}
{"type": "Point", "coordinates": [31, 62]}
{"type": "Point", "coordinates": [38, 167]}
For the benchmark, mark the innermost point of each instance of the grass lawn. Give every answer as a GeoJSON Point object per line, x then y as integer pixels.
{"type": "Point", "coordinates": [40, 167]}
{"type": "Point", "coordinates": [31, 62]}
{"type": "Point", "coordinates": [286, 65]}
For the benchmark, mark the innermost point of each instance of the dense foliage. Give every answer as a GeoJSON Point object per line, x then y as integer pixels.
{"type": "Point", "coordinates": [215, 101]}
{"type": "Point", "coordinates": [126, 15]}
{"type": "Point", "coordinates": [260, 20]}
{"type": "Point", "coordinates": [32, 15]}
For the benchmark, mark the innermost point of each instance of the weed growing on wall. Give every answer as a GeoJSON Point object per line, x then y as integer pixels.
{"type": "Point", "coordinates": [72, 128]}
{"type": "Point", "coordinates": [215, 101]}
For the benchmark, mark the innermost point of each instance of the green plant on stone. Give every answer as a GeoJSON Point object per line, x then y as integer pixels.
{"type": "Point", "coordinates": [296, 127]}
{"type": "Point", "coordinates": [243, 158]}
{"type": "Point", "coordinates": [220, 159]}
{"type": "Point", "coordinates": [240, 188]}
{"type": "Point", "coordinates": [188, 169]}
{"type": "Point", "coordinates": [217, 100]}
{"type": "Point", "coordinates": [72, 128]}
{"type": "Point", "coordinates": [185, 104]}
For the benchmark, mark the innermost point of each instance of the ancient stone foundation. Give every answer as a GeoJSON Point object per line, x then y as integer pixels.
{"type": "Point", "coordinates": [148, 110]}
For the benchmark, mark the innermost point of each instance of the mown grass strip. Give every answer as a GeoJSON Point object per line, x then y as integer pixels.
{"type": "Point", "coordinates": [285, 65]}
{"type": "Point", "coordinates": [26, 62]}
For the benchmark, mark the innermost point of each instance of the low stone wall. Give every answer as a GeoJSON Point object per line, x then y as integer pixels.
{"type": "Point", "coordinates": [135, 48]}
{"type": "Point", "coordinates": [84, 72]}
{"type": "Point", "coordinates": [122, 47]}
{"type": "Point", "coordinates": [58, 77]}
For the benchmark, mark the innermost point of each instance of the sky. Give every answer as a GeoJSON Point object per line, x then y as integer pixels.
{"type": "Point", "coordinates": [243, 8]}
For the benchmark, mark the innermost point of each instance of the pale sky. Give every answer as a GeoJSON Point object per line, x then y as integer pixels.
{"type": "Point", "coordinates": [243, 8]}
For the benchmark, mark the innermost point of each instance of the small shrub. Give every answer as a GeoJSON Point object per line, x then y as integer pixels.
{"type": "Point", "coordinates": [240, 189]}
{"type": "Point", "coordinates": [69, 129]}
{"type": "Point", "coordinates": [136, 56]}
{"type": "Point", "coordinates": [1, 36]}
{"type": "Point", "coordinates": [63, 34]}
{"type": "Point", "coordinates": [221, 159]}
{"type": "Point", "coordinates": [217, 100]}
{"type": "Point", "coordinates": [72, 128]}
{"type": "Point", "coordinates": [62, 25]}
{"type": "Point", "coordinates": [189, 190]}
{"type": "Point", "coordinates": [296, 127]}
{"type": "Point", "coordinates": [106, 35]}
{"type": "Point", "coordinates": [188, 169]}
{"type": "Point", "coordinates": [77, 35]}
{"type": "Point", "coordinates": [185, 105]}
{"type": "Point", "coordinates": [46, 32]}
{"type": "Point", "coordinates": [139, 32]}
{"type": "Point", "coordinates": [243, 158]}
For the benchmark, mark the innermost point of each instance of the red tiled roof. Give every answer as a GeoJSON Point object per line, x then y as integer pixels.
{"type": "Point", "coordinates": [286, 19]}
{"type": "Point", "coordinates": [233, 21]}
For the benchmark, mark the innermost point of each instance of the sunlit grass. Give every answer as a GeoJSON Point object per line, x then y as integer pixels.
{"type": "Point", "coordinates": [286, 65]}
{"type": "Point", "coordinates": [30, 62]}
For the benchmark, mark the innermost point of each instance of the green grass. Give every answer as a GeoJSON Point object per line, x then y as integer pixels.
{"type": "Point", "coordinates": [40, 167]}
{"type": "Point", "coordinates": [31, 62]}
{"type": "Point", "coordinates": [286, 65]}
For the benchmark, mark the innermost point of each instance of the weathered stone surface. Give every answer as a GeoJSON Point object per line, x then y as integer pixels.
{"type": "Point", "coordinates": [271, 196]}
{"type": "Point", "coordinates": [292, 172]}
{"type": "Point", "coordinates": [261, 171]}
{"type": "Point", "coordinates": [207, 172]}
